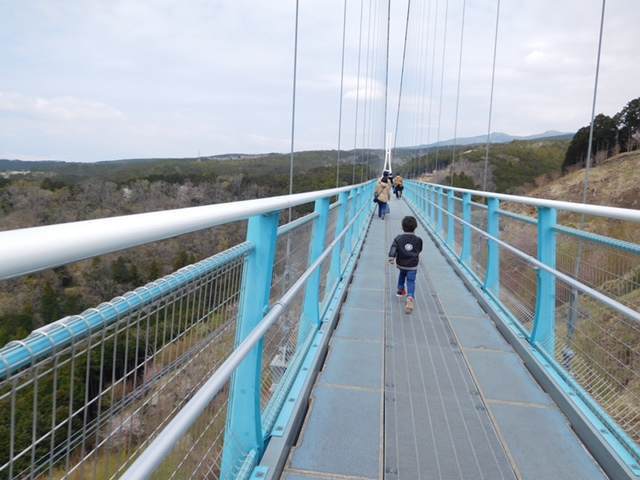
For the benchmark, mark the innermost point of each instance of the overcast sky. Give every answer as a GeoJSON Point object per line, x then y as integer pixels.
{"type": "Point", "coordinates": [87, 80]}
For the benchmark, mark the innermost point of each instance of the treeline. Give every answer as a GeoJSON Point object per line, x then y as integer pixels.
{"type": "Point", "coordinates": [611, 135]}
{"type": "Point", "coordinates": [91, 191]}
{"type": "Point", "coordinates": [512, 166]}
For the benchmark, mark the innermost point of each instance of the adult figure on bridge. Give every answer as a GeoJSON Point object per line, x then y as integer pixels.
{"type": "Point", "coordinates": [382, 195]}
{"type": "Point", "coordinates": [398, 185]}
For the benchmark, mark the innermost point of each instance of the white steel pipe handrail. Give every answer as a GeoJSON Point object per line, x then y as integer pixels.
{"type": "Point", "coordinates": [151, 458]}
{"type": "Point", "coordinates": [617, 213]}
{"type": "Point", "coordinates": [593, 293]}
{"type": "Point", "coordinates": [29, 250]}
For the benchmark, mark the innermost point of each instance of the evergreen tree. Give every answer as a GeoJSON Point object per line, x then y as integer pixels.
{"type": "Point", "coordinates": [605, 136]}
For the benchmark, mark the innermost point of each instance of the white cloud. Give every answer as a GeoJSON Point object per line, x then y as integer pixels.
{"type": "Point", "coordinates": [56, 108]}
{"type": "Point", "coordinates": [89, 79]}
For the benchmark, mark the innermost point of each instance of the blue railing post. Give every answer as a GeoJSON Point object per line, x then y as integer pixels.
{"type": "Point", "coordinates": [451, 210]}
{"type": "Point", "coordinates": [363, 196]}
{"type": "Point", "coordinates": [336, 257]}
{"type": "Point", "coordinates": [543, 332]}
{"type": "Point", "coordinates": [243, 432]}
{"type": "Point", "coordinates": [429, 204]}
{"type": "Point", "coordinates": [439, 213]}
{"type": "Point", "coordinates": [465, 256]}
{"type": "Point", "coordinates": [424, 195]}
{"type": "Point", "coordinates": [311, 309]}
{"type": "Point", "coordinates": [346, 244]}
{"type": "Point", "coordinates": [492, 279]}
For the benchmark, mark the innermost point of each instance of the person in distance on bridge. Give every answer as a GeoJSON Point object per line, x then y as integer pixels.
{"type": "Point", "coordinates": [405, 254]}
{"type": "Point", "coordinates": [398, 185]}
{"type": "Point", "coordinates": [382, 195]}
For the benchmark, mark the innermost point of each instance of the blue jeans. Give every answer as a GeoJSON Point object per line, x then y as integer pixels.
{"type": "Point", "coordinates": [410, 277]}
{"type": "Point", "coordinates": [383, 209]}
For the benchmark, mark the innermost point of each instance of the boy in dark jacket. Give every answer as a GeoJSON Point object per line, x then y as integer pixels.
{"type": "Point", "coordinates": [405, 253]}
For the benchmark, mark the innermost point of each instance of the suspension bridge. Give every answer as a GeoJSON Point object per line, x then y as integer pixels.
{"type": "Point", "coordinates": [290, 356]}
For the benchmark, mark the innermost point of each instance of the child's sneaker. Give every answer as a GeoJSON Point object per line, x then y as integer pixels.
{"type": "Point", "coordinates": [401, 292]}
{"type": "Point", "coordinates": [408, 308]}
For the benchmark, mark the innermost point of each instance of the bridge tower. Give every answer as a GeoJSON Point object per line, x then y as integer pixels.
{"type": "Point", "coordinates": [387, 155]}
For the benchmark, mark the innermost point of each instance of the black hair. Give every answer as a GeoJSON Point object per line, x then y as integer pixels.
{"type": "Point", "coordinates": [409, 224]}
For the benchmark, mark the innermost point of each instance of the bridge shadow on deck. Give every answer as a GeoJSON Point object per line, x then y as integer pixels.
{"type": "Point", "coordinates": [438, 394]}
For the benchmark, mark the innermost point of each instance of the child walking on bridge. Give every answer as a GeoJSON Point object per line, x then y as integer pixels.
{"type": "Point", "coordinates": [405, 253]}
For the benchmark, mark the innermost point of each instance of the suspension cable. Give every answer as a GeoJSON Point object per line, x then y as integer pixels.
{"type": "Point", "coordinates": [433, 67]}
{"type": "Point", "coordinates": [363, 137]}
{"type": "Point", "coordinates": [371, 77]}
{"type": "Point", "coordinates": [344, 30]}
{"type": "Point", "coordinates": [377, 69]}
{"type": "Point", "coordinates": [386, 78]}
{"type": "Point", "coordinates": [404, 54]}
{"type": "Point", "coordinates": [424, 88]}
{"type": "Point", "coordinates": [585, 185]}
{"type": "Point", "coordinates": [355, 134]}
{"type": "Point", "coordinates": [293, 103]}
{"type": "Point", "coordinates": [573, 304]}
{"type": "Point", "coordinates": [420, 87]}
{"type": "Point", "coordinates": [444, 51]}
{"type": "Point", "coordinates": [455, 122]}
{"type": "Point", "coordinates": [493, 76]}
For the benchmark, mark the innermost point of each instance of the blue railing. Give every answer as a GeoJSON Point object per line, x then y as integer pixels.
{"type": "Point", "coordinates": [189, 373]}
{"type": "Point", "coordinates": [574, 307]}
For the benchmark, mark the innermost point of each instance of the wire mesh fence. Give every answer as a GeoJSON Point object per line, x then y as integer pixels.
{"type": "Point", "coordinates": [479, 244]}
{"type": "Point", "coordinates": [86, 409]}
{"type": "Point", "coordinates": [594, 345]}
{"type": "Point", "coordinates": [518, 278]}
{"type": "Point", "coordinates": [603, 266]}
{"type": "Point", "coordinates": [326, 265]}
{"type": "Point", "coordinates": [86, 395]}
{"type": "Point", "coordinates": [600, 349]}
{"type": "Point", "coordinates": [199, 453]}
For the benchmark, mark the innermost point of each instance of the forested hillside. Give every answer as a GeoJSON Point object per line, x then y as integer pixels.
{"type": "Point", "coordinates": [56, 192]}
{"type": "Point", "coordinates": [513, 167]}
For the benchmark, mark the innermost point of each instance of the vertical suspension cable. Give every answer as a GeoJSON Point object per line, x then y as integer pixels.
{"type": "Point", "coordinates": [455, 122]}
{"type": "Point", "coordinates": [419, 91]}
{"type": "Point", "coordinates": [573, 304]}
{"type": "Point", "coordinates": [424, 89]}
{"type": "Point", "coordinates": [293, 125]}
{"type": "Point", "coordinates": [366, 94]}
{"type": "Point", "coordinates": [344, 30]}
{"type": "Point", "coordinates": [444, 52]}
{"type": "Point", "coordinates": [293, 102]}
{"type": "Point", "coordinates": [386, 78]}
{"type": "Point", "coordinates": [404, 54]}
{"type": "Point", "coordinates": [355, 134]}
{"type": "Point", "coordinates": [585, 185]}
{"type": "Point", "coordinates": [433, 68]}
{"type": "Point", "coordinates": [493, 76]}
{"type": "Point", "coordinates": [369, 104]}
{"type": "Point", "coordinates": [374, 72]}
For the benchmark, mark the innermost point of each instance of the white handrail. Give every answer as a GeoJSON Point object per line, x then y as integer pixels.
{"type": "Point", "coordinates": [162, 445]}
{"type": "Point", "coordinates": [537, 264]}
{"type": "Point", "coordinates": [617, 213]}
{"type": "Point", "coordinates": [29, 250]}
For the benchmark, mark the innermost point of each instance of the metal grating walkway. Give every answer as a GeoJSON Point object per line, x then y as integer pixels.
{"type": "Point", "coordinates": [435, 395]}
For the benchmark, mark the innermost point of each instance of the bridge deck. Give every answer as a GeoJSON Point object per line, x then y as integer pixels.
{"type": "Point", "coordinates": [438, 394]}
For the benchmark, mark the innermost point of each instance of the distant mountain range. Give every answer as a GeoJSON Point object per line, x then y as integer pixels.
{"type": "Point", "coordinates": [499, 137]}
{"type": "Point", "coordinates": [16, 165]}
